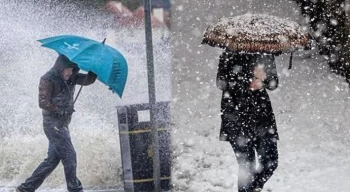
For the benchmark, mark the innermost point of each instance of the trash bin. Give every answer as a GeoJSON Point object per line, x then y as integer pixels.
{"type": "Point", "coordinates": [136, 146]}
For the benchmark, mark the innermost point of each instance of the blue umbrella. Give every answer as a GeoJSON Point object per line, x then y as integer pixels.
{"type": "Point", "coordinates": [106, 62]}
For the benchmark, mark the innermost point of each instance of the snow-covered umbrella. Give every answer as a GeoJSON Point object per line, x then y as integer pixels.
{"type": "Point", "coordinates": [256, 33]}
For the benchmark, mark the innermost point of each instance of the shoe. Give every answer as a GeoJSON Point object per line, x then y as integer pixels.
{"type": "Point", "coordinates": [258, 190]}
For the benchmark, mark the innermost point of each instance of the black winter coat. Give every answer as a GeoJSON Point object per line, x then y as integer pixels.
{"type": "Point", "coordinates": [246, 113]}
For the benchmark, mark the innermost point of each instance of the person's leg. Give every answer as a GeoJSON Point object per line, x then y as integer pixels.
{"type": "Point", "coordinates": [67, 153]}
{"type": "Point", "coordinates": [268, 160]}
{"type": "Point", "coordinates": [41, 172]}
{"type": "Point", "coordinates": [245, 155]}
{"type": "Point", "coordinates": [70, 169]}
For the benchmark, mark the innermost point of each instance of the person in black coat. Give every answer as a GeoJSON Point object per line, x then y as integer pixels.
{"type": "Point", "coordinates": [248, 121]}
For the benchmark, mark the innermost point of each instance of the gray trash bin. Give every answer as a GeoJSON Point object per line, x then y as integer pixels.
{"type": "Point", "coordinates": [136, 146]}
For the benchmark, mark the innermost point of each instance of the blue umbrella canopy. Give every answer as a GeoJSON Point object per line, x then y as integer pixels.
{"type": "Point", "coordinates": [106, 62]}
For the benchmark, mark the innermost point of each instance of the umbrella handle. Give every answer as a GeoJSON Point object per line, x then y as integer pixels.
{"type": "Point", "coordinates": [81, 87]}
{"type": "Point", "coordinates": [290, 60]}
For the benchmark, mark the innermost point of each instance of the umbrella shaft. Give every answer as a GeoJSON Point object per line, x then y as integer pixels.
{"type": "Point", "coordinates": [81, 87]}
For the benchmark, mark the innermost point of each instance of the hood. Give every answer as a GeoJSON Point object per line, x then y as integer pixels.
{"type": "Point", "coordinates": [62, 62]}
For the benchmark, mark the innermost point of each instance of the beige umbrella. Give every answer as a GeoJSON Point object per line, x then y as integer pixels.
{"type": "Point", "coordinates": [256, 33]}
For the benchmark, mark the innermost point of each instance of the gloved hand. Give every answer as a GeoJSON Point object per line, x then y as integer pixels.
{"type": "Point", "coordinates": [92, 74]}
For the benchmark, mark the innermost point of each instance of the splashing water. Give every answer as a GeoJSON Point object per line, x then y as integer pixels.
{"type": "Point", "coordinates": [94, 128]}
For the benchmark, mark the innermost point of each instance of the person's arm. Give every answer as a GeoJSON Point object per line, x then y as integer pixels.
{"type": "Point", "coordinates": [46, 88]}
{"type": "Point", "coordinates": [85, 79]}
{"type": "Point", "coordinates": [221, 78]}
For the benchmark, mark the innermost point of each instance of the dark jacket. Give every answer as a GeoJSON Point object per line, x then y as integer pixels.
{"type": "Point", "coordinates": [55, 93]}
{"type": "Point", "coordinates": [246, 113]}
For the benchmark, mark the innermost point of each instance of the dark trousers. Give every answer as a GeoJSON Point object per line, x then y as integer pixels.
{"type": "Point", "coordinates": [250, 176]}
{"type": "Point", "coordinates": [60, 149]}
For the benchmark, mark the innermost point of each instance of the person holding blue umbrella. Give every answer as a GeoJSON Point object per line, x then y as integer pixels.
{"type": "Point", "coordinates": [105, 61]}
{"type": "Point", "coordinates": [56, 99]}
{"type": "Point", "coordinates": [56, 93]}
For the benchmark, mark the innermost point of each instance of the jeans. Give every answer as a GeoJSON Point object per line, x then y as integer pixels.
{"type": "Point", "coordinates": [60, 149]}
